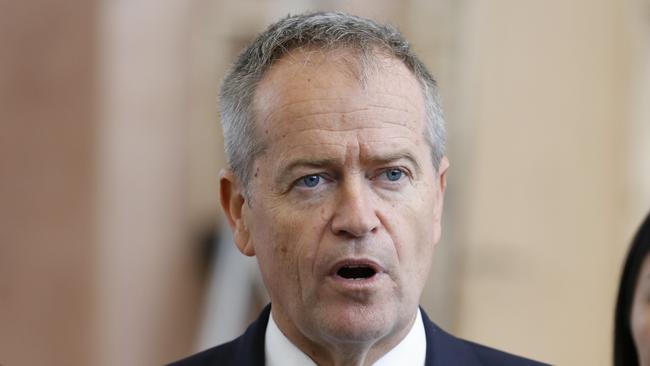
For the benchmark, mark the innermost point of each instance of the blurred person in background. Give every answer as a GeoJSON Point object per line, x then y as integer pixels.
{"type": "Point", "coordinates": [337, 171]}
{"type": "Point", "coordinates": [632, 319]}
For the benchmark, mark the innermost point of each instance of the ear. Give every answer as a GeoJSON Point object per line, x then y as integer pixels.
{"type": "Point", "coordinates": [442, 176]}
{"type": "Point", "coordinates": [440, 195]}
{"type": "Point", "coordinates": [234, 206]}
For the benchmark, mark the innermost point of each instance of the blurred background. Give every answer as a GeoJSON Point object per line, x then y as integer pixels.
{"type": "Point", "coordinates": [112, 244]}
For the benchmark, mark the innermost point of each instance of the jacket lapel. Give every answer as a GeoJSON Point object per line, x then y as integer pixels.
{"type": "Point", "coordinates": [249, 348]}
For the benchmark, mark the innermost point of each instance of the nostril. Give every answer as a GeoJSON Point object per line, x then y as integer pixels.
{"type": "Point", "coordinates": [355, 228]}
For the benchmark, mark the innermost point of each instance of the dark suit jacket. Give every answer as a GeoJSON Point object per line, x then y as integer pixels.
{"type": "Point", "coordinates": [443, 349]}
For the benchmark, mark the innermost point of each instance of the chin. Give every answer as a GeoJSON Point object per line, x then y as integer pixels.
{"type": "Point", "coordinates": [355, 324]}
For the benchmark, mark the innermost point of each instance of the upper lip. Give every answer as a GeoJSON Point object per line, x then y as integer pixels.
{"type": "Point", "coordinates": [349, 262]}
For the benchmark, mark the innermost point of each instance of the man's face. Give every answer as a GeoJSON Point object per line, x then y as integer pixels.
{"type": "Point", "coordinates": [345, 204]}
{"type": "Point", "coordinates": [640, 314]}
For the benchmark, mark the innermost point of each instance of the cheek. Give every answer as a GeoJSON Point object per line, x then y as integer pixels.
{"type": "Point", "coordinates": [272, 242]}
{"type": "Point", "coordinates": [286, 244]}
{"type": "Point", "coordinates": [411, 227]}
{"type": "Point", "coordinates": [640, 325]}
{"type": "Point", "coordinates": [426, 235]}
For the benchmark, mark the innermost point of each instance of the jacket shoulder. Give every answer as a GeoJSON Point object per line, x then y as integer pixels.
{"type": "Point", "coordinates": [220, 355]}
{"type": "Point", "coordinates": [446, 349]}
{"type": "Point", "coordinates": [490, 356]}
{"type": "Point", "coordinates": [246, 350]}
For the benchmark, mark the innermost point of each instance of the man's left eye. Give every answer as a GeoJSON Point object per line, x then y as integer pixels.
{"type": "Point", "coordinates": [309, 181]}
{"type": "Point", "coordinates": [394, 174]}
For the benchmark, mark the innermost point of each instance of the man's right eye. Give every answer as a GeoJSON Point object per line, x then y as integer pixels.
{"type": "Point", "coordinates": [309, 181]}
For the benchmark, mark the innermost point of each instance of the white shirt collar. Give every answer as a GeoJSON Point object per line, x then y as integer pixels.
{"type": "Point", "coordinates": [279, 351]}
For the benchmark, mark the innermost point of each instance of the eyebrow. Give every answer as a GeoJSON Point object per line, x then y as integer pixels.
{"type": "Point", "coordinates": [395, 156]}
{"type": "Point", "coordinates": [305, 163]}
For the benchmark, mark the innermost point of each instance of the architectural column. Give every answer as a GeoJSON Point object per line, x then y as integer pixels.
{"type": "Point", "coordinates": [543, 212]}
{"type": "Point", "coordinates": [47, 129]}
{"type": "Point", "coordinates": [147, 279]}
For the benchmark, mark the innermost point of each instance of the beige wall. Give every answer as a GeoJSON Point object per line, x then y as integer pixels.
{"type": "Point", "coordinates": [47, 106]}
{"type": "Point", "coordinates": [637, 146]}
{"type": "Point", "coordinates": [544, 213]}
{"type": "Point", "coordinates": [148, 257]}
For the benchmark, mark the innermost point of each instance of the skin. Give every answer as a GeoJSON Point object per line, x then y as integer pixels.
{"type": "Point", "coordinates": [640, 319]}
{"type": "Point", "coordinates": [377, 197]}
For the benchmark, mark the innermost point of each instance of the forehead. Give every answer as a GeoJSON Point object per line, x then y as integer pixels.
{"type": "Point", "coordinates": [315, 81]}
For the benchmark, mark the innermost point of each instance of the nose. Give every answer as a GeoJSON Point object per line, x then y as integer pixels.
{"type": "Point", "coordinates": [355, 214]}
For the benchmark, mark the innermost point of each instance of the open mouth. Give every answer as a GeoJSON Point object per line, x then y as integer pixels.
{"type": "Point", "coordinates": [356, 271]}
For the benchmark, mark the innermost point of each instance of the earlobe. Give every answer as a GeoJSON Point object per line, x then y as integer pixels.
{"type": "Point", "coordinates": [234, 206]}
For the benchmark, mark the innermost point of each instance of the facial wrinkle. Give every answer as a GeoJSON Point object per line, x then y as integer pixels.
{"type": "Point", "coordinates": [327, 104]}
{"type": "Point", "coordinates": [331, 111]}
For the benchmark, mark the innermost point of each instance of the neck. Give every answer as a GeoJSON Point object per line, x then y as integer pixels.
{"type": "Point", "coordinates": [329, 351]}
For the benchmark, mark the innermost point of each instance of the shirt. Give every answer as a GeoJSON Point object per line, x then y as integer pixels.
{"type": "Point", "coordinates": [279, 351]}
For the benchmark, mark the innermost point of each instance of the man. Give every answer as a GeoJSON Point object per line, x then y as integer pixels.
{"type": "Point", "coordinates": [336, 179]}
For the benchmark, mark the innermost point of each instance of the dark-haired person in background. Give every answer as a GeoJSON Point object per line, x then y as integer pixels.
{"type": "Point", "coordinates": [336, 177]}
{"type": "Point", "coordinates": [632, 319]}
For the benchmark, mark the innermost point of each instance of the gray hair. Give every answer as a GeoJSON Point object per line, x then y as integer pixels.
{"type": "Point", "coordinates": [326, 31]}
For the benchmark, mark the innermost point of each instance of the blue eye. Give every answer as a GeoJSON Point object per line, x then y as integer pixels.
{"type": "Point", "coordinates": [394, 175]}
{"type": "Point", "coordinates": [309, 181]}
